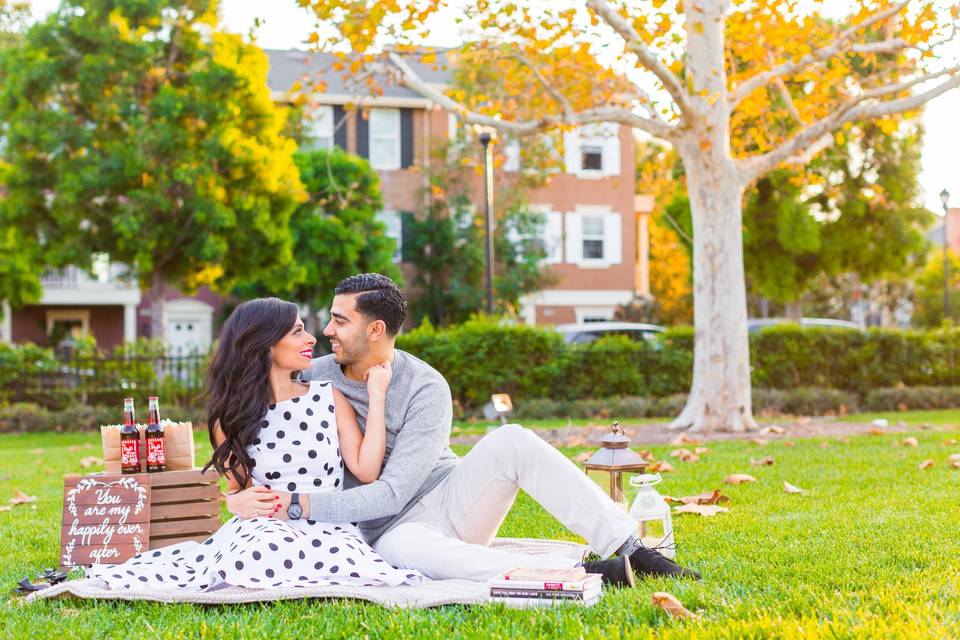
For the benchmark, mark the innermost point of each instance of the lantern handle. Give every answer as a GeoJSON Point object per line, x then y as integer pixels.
{"type": "Point", "coordinates": [616, 427]}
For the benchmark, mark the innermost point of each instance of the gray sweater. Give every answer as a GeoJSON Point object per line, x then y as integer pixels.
{"type": "Point", "coordinates": [419, 412]}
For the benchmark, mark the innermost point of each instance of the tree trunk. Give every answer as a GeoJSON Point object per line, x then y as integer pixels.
{"type": "Point", "coordinates": [719, 397]}
{"type": "Point", "coordinates": [794, 310]}
{"type": "Point", "coordinates": [157, 297]}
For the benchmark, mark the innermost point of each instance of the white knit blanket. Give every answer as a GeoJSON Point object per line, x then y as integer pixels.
{"type": "Point", "coordinates": [430, 593]}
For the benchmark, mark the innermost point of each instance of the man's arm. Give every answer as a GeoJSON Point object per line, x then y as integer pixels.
{"type": "Point", "coordinates": [425, 434]}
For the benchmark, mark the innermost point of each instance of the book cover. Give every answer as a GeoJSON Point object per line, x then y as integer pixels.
{"type": "Point", "coordinates": [547, 575]}
{"type": "Point", "coordinates": [542, 594]}
{"type": "Point", "coordinates": [588, 580]}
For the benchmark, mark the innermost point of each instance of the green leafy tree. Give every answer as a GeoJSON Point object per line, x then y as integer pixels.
{"type": "Point", "coordinates": [136, 128]}
{"type": "Point", "coordinates": [928, 311]}
{"type": "Point", "coordinates": [335, 232]}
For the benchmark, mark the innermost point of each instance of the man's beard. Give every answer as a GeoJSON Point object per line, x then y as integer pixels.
{"type": "Point", "coordinates": [351, 352]}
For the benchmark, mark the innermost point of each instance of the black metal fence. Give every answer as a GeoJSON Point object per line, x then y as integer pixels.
{"type": "Point", "coordinates": [65, 380]}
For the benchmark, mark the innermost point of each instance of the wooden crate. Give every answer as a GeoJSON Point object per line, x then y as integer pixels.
{"type": "Point", "coordinates": [184, 505]}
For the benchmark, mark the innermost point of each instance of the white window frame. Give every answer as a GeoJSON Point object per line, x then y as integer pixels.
{"type": "Point", "coordinates": [597, 148]}
{"type": "Point", "coordinates": [321, 128]}
{"type": "Point", "coordinates": [511, 156]}
{"type": "Point", "coordinates": [602, 135]}
{"type": "Point", "coordinates": [602, 236]}
{"type": "Point", "coordinates": [612, 236]}
{"type": "Point", "coordinates": [384, 126]}
{"type": "Point", "coordinates": [69, 315]}
{"type": "Point", "coordinates": [393, 221]}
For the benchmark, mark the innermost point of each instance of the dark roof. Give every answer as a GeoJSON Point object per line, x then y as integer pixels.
{"type": "Point", "coordinates": [290, 66]}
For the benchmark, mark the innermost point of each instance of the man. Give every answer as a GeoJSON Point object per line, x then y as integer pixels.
{"type": "Point", "coordinates": [430, 510]}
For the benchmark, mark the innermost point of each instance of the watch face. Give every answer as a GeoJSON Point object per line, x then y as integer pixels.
{"type": "Point", "coordinates": [295, 511]}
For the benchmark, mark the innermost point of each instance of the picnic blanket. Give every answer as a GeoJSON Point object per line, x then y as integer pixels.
{"type": "Point", "coordinates": [430, 593]}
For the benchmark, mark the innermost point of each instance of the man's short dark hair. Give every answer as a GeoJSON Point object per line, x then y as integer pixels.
{"type": "Point", "coordinates": [379, 299]}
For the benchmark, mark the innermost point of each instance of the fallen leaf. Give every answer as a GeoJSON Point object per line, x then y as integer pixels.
{"type": "Point", "coordinates": [660, 465]}
{"type": "Point", "coordinates": [762, 462]}
{"type": "Point", "coordinates": [875, 432]}
{"type": "Point", "coordinates": [583, 456]}
{"type": "Point", "coordinates": [669, 603]}
{"type": "Point", "coordinates": [955, 464]}
{"type": "Point", "coordinates": [926, 464]}
{"type": "Point", "coordinates": [677, 453]}
{"type": "Point", "coordinates": [38, 451]}
{"type": "Point", "coordinates": [739, 478]}
{"type": "Point", "coordinates": [843, 439]}
{"type": "Point", "coordinates": [701, 450]}
{"type": "Point", "coordinates": [683, 438]}
{"type": "Point", "coordinates": [950, 442]}
{"type": "Point", "coordinates": [925, 427]}
{"type": "Point", "coordinates": [87, 445]}
{"type": "Point", "coordinates": [707, 497]}
{"type": "Point", "coordinates": [773, 429]}
{"type": "Point", "coordinates": [824, 445]}
{"type": "Point", "coordinates": [953, 458]}
{"type": "Point", "coordinates": [909, 441]}
{"type": "Point", "coordinates": [701, 509]}
{"type": "Point", "coordinates": [90, 461]}
{"type": "Point", "coordinates": [759, 441]}
{"type": "Point", "coordinates": [5, 507]}
{"type": "Point", "coordinates": [646, 455]}
{"type": "Point", "coordinates": [19, 497]}
{"type": "Point", "coordinates": [789, 488]}
{"type": "Point", "coordinates": [789, 443]}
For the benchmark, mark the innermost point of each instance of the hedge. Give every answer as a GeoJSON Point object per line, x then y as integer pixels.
{"type": "Point", "coordinates": [483, 356]}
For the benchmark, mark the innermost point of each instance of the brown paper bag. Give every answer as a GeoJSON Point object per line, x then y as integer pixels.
{"type": "Point", "coordinates": [179, 442]}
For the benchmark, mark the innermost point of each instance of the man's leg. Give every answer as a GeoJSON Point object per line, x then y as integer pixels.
{"type": "Point", "coordinates": [475, 498]}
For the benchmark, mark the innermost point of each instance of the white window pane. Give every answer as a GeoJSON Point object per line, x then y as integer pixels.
{"type": "Point", "coordinates": [384, 153]}
{"type": "Point", "coordinates": [394, 224]}
{"type": "Point", "coordinates": [318, 128]}
{"type": "Point", "coordinates": [384, 122]}
{"type": "Point", "coordinates": [592, 226]}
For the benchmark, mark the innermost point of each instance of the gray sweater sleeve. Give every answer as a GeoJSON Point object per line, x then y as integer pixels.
{"type": "Point", "coordinates": [424, 436]}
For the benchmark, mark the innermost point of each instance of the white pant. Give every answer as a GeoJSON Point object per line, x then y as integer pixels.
{"type": "Point", "coordinates": [446, 533]}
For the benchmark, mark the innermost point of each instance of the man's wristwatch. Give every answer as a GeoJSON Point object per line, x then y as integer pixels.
{"type": "Point", "coordinates": [294, 510]}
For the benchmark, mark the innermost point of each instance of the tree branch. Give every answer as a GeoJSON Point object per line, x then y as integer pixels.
{"type": "Point", "coordinates": [410, 79]}
{"type": "Point", "coordinates": [647, 58]}
{"type": "Point", "coordinates": [795, 148]}
{"type": "Point", "coordinates": [559, 98]}
{"type": "Point", "coordinates": [818, 55]}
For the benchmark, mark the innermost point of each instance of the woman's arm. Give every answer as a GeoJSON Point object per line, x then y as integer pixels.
{"type": "Point", "coordinates": [363, 452]}
{"type": "Point", "coordinates": [249, 501]}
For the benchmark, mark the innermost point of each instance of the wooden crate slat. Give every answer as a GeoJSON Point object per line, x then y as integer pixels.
{"type": "Point", "coordinates": [162, 512]}
{"type": "Point", "coordinates": [186, 477]}
{"type": "Point", "coordinates": [159, 543]}
{"type": "Point", "coordinates": [194, 525]}
{"type": "Point", "coordinates": [84, 555]}
{"type": "Point", "coordinates": [90, 514]}
{"type": "Point", "coordinates": [168, 495]}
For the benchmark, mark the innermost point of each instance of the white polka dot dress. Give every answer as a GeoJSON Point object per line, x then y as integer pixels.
{"type": "Point", "coordinates": [297, 449]}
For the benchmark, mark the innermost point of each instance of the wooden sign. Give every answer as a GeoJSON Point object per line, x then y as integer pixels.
{"type": "Point", "coordinates": [106, 519]}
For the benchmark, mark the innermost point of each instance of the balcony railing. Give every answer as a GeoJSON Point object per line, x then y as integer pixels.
{"type": "Point", "coordinates": [116, 276]}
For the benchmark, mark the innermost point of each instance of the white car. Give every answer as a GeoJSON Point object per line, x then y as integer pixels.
{"type": "Point", "coordinates": [586, 332]}
{"type": "Point", "coordinates": [756, 324]}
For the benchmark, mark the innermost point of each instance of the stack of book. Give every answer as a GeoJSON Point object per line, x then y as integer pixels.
{"type": "Point", "coordinates": [545, 587]}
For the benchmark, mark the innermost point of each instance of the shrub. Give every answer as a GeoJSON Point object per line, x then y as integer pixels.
{"type": "Point", "coordinates": [906, 398]}
{"type": "Point", "coordinates": [24, 417]}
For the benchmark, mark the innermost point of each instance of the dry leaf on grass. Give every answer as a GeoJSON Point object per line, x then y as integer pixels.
{"type": "Point", "coordinates": [669, 603]}
{"type": "Point", "coordinates": [762, 462]}
{"type": "Point", "coordinates": [19, 497]}
{"type": "Point", "coordinates": [90, 461]}
{"type": "Point", "coordinates": [824, 445]}
{"type": "Point", "coordinates": [583, 456]}
{"type": "Point", "coordinates": [87, 445]}
{"type": "Point", "coordinates": [646, 455]}
{"type": "Point", "coordinates": [684, 454]}
{"type": "Point", "coordinates": [684, 439]}
{"type": "Point", "coordinates": [953, 457]}
{"type": "Point", "coordinates": [909, 441]}
{"type": "Point", "coordinates": [739, 478]}
{"type": "Point", "coordinates": [789, 443]}
{"type": "Point", "coordinates": [759, 442]}
{"type": "Point", "coordinates": [707, 497]}
{"type": "Point", "coordinates": [926, 464]}
{"type": "Point", "coordinates": [701, 450]}
{"type": "Point", "coordinates": [789, 488]}
{"type": "Point", "coordinates": [950, 442]}
{"type": "Point", "coordinates": [38, 451]}
{"type": "Point", "coordinates": [5, 507]}
{"type": "Point", "coordinates": [875, 432]}
{"type": "Point", "coordinates": [701, 509]}
{"type": "Point", "coordinates": [773, 429]}
{"type": "Point", "coordinates": [660, 465]}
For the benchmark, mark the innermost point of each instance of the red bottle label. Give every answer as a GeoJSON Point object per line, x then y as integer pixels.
{"type": "Point", "coordinates": [130, 453]}
{"type": "Point", "coordinates": [156, 451]}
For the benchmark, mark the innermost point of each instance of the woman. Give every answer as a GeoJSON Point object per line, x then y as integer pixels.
{"type": "Point", "coordinates": [269, 430]}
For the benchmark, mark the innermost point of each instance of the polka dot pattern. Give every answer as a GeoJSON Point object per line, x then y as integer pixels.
{"type": "Point", "coordinates": [262, 552]}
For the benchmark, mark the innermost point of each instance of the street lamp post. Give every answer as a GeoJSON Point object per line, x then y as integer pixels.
{"type": "Point", "coordinates": [945, 199]}
{"type": "Point", "coordinates": [485, 138]}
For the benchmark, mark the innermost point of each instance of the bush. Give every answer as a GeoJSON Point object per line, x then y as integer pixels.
{"type": "Point", "coordinates": [911, 398]}
{"type": "Point", "coordinates": [24, 417]}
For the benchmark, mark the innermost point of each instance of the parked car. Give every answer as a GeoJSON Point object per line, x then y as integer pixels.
{"type": "Point", "coordinates": [756, 324]}
{"type": "Point", "coordinates": [586, 332]}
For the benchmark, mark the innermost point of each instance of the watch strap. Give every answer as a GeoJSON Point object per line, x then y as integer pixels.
{"type": "Point", "coordinates": [294, 514]}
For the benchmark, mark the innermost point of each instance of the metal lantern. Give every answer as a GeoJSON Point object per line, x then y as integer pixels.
{"type": "Point", "coordinates": [649, 506]}
{"type": "Point", "coordinates": [616, 458]}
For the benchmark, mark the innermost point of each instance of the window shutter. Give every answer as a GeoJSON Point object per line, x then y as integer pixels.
{"type": "Point", "coordinates": [611, 150]}
{"type": "Point", "coordinates": [574, 237]}
{"type": "Point", "coordinates": [363, 134]}
{"type": "Point", "coordinates": [612, 238]}
{"type": "Point", "coordinates": [340, 127]}
{"type": "Point", "coordinates": [571, 151]}
{"type": "Point", "coordinates": [406, 138]}
{"type": "Point", "coordinates": [553, 237]}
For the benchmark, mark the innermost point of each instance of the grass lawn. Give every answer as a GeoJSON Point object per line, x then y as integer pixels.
{"type": "Point", "coordinates": [871, 551]}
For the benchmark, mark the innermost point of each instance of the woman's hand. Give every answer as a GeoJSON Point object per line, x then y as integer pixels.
{"type": "Point", "coordinates": [253, 502]}
{"type": "Point", "coordinates": [377, 378]}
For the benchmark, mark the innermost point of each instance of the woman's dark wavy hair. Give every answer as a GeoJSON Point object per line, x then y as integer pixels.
{"type": "Point", "coordinates": [238, 380]}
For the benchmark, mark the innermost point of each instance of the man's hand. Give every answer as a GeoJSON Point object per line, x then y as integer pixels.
{"type": "Point", "coordinates": [253, 502]}
{"type": "Point", "coordinates": [283, 501]}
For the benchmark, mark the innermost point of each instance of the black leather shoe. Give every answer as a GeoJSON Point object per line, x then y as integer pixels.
{"type": "Point", "coordinates": [648, 562]}
{"type": "Point", "coordinates": [615, 572]}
